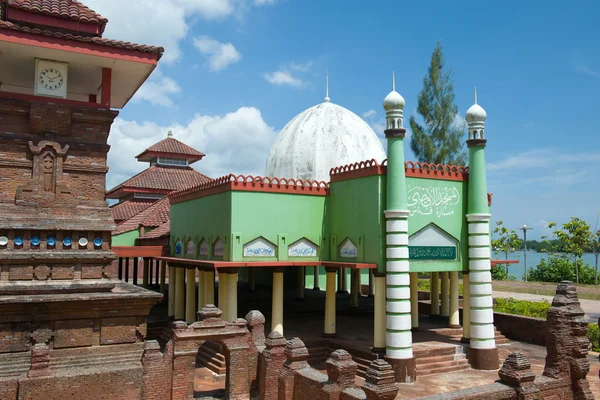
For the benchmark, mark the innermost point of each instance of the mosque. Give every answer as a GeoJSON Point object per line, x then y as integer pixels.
{"type": "Point", "coordinates": [332, 203]}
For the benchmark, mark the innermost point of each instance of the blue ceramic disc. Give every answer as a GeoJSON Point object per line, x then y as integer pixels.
{"type": "Point", "coordinates": [67, 241]}
{"type": "Point", "coordinates": [18, 241]}
{"type": "Point", "coordinates": [35, 241]}
{"type": "Point", "coordinates": [51, 241]}
{"type": "Point", "coordinates": [98, 242]}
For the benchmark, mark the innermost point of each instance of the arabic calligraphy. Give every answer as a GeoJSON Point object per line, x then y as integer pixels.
{"type": "Point", "coordinates": [438, 201]}
{"type": "Point", "coordinates": [431, 253]}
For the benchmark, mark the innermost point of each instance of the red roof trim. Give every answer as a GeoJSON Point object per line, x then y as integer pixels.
{"type": "Point", "coordinates": [250, 183]}
{"type": "Point", "coordinates": [154, 154]}
{"type": "Point", "coordinates": [17, 14]}
{"type": "Point", "coordinates": [412, 169]}
{"type": "Point", "coordinates": [100, 47]}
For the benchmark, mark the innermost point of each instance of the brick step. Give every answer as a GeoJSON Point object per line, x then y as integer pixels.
{"type": "Point", "coordinates": [436, 359]}
{"type": "Point", "coordinates": [210, 354]}
{"type": "Point", "coordinates": [209, 357]}
{"type": "Point", "coordinates": [444, 369]}
{"type": "Point", "coordinates": [442, 364]}
{"type": "Point", "coordinates": [433, 349]}
{"type": "Point", "coordinates": [14, 368]}
{"type": "Point", "coordinates": [80, 362]}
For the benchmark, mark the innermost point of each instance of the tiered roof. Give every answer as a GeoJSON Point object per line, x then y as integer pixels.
{"type": "Point", "coordinates": [151, 217]}
{"type": "Point", "coordinates": [173, 148]}
{"type": "Point", "coordinates": [127, 209]}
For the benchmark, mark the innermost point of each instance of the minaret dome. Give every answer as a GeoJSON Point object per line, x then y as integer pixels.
{"type": "Point", "coordinates": [475, 117]}
{"type": "Point", "coordinates": [393, 104]}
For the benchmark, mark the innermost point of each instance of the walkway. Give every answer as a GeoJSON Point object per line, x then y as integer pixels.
{"type": "Point", "coordinates": [590, 307]}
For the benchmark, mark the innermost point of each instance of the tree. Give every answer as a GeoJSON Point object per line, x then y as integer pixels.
{"type": "Point", "coordinates": [507, 241]}
{"type": "Point", "coordinates": [440, 139]}
{"type": "Point", "coordinates": [576, 237]}
{"type": "Point", "coordinates": [595, 247]}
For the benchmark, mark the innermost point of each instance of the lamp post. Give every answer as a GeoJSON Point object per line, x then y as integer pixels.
{"type": "Point", "coordinates": [525, 228]}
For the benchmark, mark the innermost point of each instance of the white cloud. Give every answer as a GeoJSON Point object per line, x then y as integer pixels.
{"type": "Point", "coordinates": [264, 2]}
{"type": "Point", "coordinates": [541, 158]}
{"type": "Point", "coordinates": [158, 90]}
{"type": "Point", "coordinates": [219, 55]}
{"type": "Point", "coordinates": [237, 142]}
{"type": "Point", "coordinates": [284, 77]}
{"type": "Point", "coordinates": [370, 113]}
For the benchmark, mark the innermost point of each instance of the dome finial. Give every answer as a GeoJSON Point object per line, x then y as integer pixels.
{"type": "Point", "coordinates": [393, 82]}
{"type": "Point", "coordinates": [327, 99]}
{"type": "Point", "coordinates": [475, 93]}
{"type": "Point", "coordinates": [170, 134]}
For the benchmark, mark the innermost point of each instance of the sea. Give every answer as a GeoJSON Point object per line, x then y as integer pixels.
{"type": "Point", "coordinates": [533, 258]}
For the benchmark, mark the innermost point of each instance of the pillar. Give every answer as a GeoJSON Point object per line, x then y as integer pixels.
{"type": "Point", "coordinates": [371, 283]}
{"type": "Point", "coordinates": [435, 294]}
{"type": "Point", "coordinates": [163, 276]}
{"type": "Point", "coordinates": [146, 273]}
{"type": "Point", "coordinates": [339, 281]}
{"type": "Point", "coordinates": [277, 302]}
{"type": "Point", "coordinates": [209, 286]}
{"type": "Point", "coordinates": [445, 295]}
{"type": "Point", "coordinates": [171, 294]}
{"type": "Point", "coordinates": [223, 295]}
{"type": "Point", "coordinates": [120, 268]}
{"type": "Point", "coordinates": [329, 330]}
{"type": "Point", "coordinates": [316, 278]}
{"type": "Point", "coordinates": [344, 281]}
{"type": "Point", "coordinates": [135, 270]}
{"type": "Point", "coordinates": [379, 320]}
{"type": "Point", "coordinates": [454, 321]}
{"type": "Point", "coordinates": [483, 353]}
{"type": "Point", "coordinates": [232, 302]}
{"type": "Point", "coordinates": [466, 338]}
{"type": "Point", "coordinates": [179, 293]}
{"type": "Point", "coordinates": [353, 289]}
{"type": "Point", "coordinates": [300, 283]}
{"type": "Point", "coordinates": [190, 295]}
{"type": "Point", "coordinates": [252, 279]}
{"type": "Point", "coordinates": [399, 351]}
{"type": "Point", "coordinates": [127, 269]}
{"type": "Point", "coordinates": [201, 290]}
{"type": "Point", "coordinates": [414, 301]}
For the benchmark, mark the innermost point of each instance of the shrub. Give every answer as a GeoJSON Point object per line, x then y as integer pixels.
{"type": "Point", "coordinates": [594, 336]}
{"type": "Point", "coordinates": [557, 268]}
{"type": "Point", "coordinates": [499, 272]}
{"type": "Point", "coordinates": [536, 309]}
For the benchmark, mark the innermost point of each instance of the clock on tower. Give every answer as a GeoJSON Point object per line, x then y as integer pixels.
{"type": "Point", "coordinates": [50, 78]}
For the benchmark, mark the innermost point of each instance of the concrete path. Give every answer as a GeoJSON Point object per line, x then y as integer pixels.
{"type": "Point", "coordinates": [590, 307]}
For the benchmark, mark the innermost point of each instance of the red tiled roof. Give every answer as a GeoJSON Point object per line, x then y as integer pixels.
{"type": "Point", "coordinates": [71, 9]}
{"type": "Point", "coordinates": [94, 40]}
{"type": "Point", "coordinates": [172, 147]}
{"type": "Point", "coordinates": [161, 231]}
{"type": "Point", "coordinates": [162, 178]}
{"type": "Point", "coordinates": [127, 209]}
{"type": "Point", "coordinates": [157, 213]}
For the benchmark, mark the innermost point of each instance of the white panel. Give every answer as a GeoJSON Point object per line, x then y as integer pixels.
{"type": "Point", "coordinates": [403, 279]}
{"type": "Point", "coordinates": [483, 344]}
{"type": "Point", "coordinates": [431, 235]}
{"type": "Point", "coordinates": [400, 239]}
{"type": "Point", "coordinates": [477, 302]}
{"type": "Point", "coordinates": [396, 225]}
{"type": "Point", "coordinates": [397, 266]}
{"type": "Point", "coordinates": [302, 248]}
{"type": "Point", "coordinates": [396, 252]}
{"type": "Point", "coordinates": [481, 289]}
{"type": "Point", "coordinates": [480, 277]}
{"type": "Point", "coordinates": [398, 293]}
{"type": "Point", "coordinates": [203, 248]}
{"type": "Point", "coordinates": [483, 331]}
{"type": "Point", "coordinates": [398, 322]}
{"type": "Point", "coordinates": [479, 252]}
{"type": "Point", "coordinates": [398, 306]}
{"type": "Point", "coordinates": [348, 249]}
{"type": "Point", "coordinates": [218, 248]}
{"type": "Point", "coordinates": [479, 240]}
{"type": "Point", "coordinates": [479, 228]}
{"type": "Point", "coordinates": [259, 247]}
{"type": "Point", "coordinates": [397, 339]}
{"type": "Point", "coordinates": [399, 354]}
{"type": "Point", "coordinates": [479, 265]}
{"type": "Point", "coordinates": [482, 316]}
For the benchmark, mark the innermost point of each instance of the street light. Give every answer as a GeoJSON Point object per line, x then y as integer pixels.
{"type": "Point", "coordinates": [525, 228]}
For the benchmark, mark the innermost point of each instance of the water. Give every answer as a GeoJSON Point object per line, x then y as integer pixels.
{"type": "Point", "coordinates": [533, 258]}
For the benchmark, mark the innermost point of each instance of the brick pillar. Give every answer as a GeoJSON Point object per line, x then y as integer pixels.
{"type": "Point", "coordinates": [296, 356]}
{"type": "Point", "coordinates": [516, 371]}
{"type": "Point", "coordinates": [341, 369]}
{"type": "Point", "coordinates": [237, 386]}
{"type": "Point", "coordinates": [40, 361]}
{"type": "Point", "coordinates": [256, 326]}
{"type": "Point", "coordinates": [271, 362]}
{"type": "Point", "coordinates": [157, 371]}
{"type": "Point", "coordinates": [379, 382]}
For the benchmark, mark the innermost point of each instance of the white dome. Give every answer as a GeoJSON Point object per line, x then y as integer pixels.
{"type": "Point", "coordinates": [318, 139]}
{"type": "Point", "coordinates": [393, 101]}
{"type": "Point", "coordinates": [476, 113]}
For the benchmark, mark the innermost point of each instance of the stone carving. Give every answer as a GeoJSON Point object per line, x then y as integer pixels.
{"type": "Point", "coordinates": [438, 201]}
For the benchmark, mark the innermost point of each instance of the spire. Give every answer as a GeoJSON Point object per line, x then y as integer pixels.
{"type": "Point", "coordinates": [475, 93]}
{"type": "Point", "coordinates": [393, 82]}
{"type": "Point", "coordinates": [327, 99]}
{"type": "Point", "coordinates": [170, 134]}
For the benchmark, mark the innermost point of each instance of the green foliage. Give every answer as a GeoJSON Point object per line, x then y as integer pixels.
{"type": "Point", "coordinates": [594, 336]}
{"type": "Point", "coordinates": [500, 272]}
{"type": "Point", "coordinates": [507, 240]}
{"type": "Point", "coordinates": [560, 267]}
{"type": "Point", "coordinates": [439, 140]}
{"type": "Point", "coordinates": [536, 309]}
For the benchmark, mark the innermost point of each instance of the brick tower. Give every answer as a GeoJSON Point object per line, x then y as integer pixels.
{"type": "Point", "coordinates": [67, 328]}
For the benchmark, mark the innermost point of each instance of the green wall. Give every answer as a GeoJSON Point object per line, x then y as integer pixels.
{"type": "Point", "coordinates": [125, 239]}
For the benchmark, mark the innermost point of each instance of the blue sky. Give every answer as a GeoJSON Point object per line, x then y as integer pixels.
{"type": "Point", "coordinates": [236, 71]}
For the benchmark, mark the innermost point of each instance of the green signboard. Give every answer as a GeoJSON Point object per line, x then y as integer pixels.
{"type": "Point", "coordinates": [432, 253]}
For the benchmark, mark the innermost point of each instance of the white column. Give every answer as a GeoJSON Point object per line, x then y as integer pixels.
{"type": "Point", "coordinates": [398, 321]}
{"type": "Point", "coordinates": [179, 293]}
{"type": "Point", "coordinates": [190, 296]}
{"type": "Point", "coordinates": [223, 295]}
{"type": "Point", "coordinates": [379, 320]}
{"type": "Point", "coordinates": [209, 286]}
{"type": "Point", "coordinates": [414, 300]}
{"type": "Point", "coordinates": [201, 291]}
{"type": "Point", "coordinates": [163, 276]}
{"type": "Point", "coordinates": [480, 282]}
{"type": "Point", "coordinates": [232, 281]}
{"type": "Point", "coordinates": [454, 320]}
{"type": "Point", "coordinates": [277, 302]}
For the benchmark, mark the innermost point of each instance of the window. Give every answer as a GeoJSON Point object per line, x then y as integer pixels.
{"type": "Point", "coordinates": [171, 161]}
{"type": "Point", "coordinates": [148, 196]}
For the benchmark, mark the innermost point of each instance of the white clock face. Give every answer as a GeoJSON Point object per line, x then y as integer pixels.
{"type": "Point", "coordinates": [51, 78]}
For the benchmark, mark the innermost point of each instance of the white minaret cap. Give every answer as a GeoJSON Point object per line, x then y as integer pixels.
{"type": "Point", "coordinates": [476, 113]}
{"type": "Point", "coordinates": [393, 101]}
{"type": "Point", "coordinates": [170, 134]}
